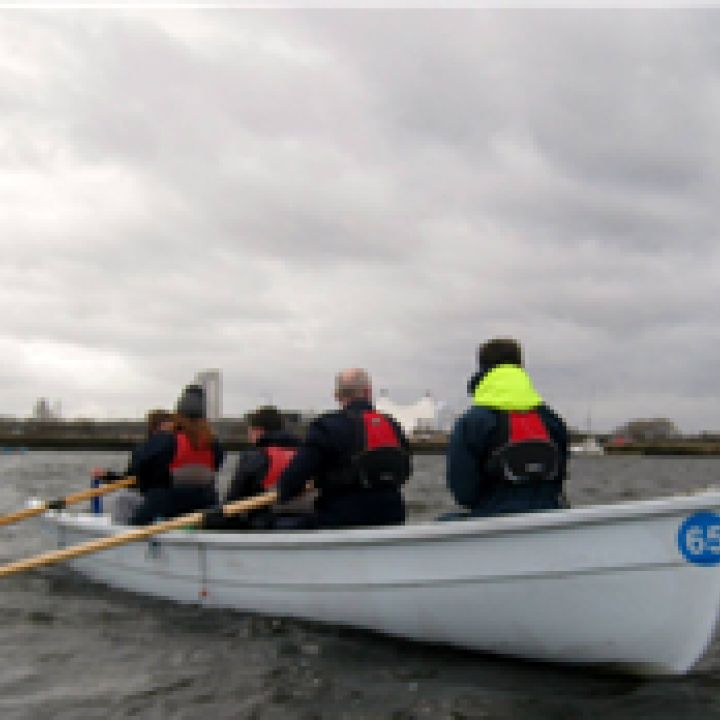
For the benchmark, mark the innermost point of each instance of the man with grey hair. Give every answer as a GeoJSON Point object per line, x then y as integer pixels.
{"type": "Point", "coordinates": [357, 458]}
{"type": "Point", "coordinates": [353, 384]}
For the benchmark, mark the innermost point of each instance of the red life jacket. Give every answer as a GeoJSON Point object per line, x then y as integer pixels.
{"type": "Point", "coordinates": [378, 431]}
{"type": "Point", "coordinates": [278, 459]}
{"type": "Point", "coordinates": [378, 458]}
{"type": "Point", "coordinates": [192, 466]}
{"type": "Point", "coordinates": [523, 451]}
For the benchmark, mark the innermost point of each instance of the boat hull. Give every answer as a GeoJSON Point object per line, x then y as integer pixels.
{"type": "Point", "coordinates": [607, 585]}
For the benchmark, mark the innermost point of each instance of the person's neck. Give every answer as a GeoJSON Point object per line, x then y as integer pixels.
{"type": "Point", "coordinates": [356, 401]}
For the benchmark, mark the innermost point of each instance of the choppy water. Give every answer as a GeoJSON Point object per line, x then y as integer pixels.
{"type": "Point", "coordinates": [70, 650]}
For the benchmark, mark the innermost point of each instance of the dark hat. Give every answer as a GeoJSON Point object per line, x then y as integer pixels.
{"type": "Point", "coordinates": [192, 402]}
{"type": "Point", "coordinates": [267, 417]}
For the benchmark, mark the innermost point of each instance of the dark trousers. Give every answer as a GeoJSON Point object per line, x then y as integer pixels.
{"type": "Point", "coordinates": [165, 503]}
{"type": "Point", "coordinates": [262, 519]}
{"type": "Point", "coordinates": [362, 508]}
{"type": "Point", "coordinates": [514, 499]}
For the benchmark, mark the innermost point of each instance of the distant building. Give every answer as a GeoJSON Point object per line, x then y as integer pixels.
{"type": "Point", "coordinates": [418, 418]}
{"type": "Point", "coordinates": [648, 430]}
{"type": "Point", "coordinates": [43, 411]}
{"type": "Point", "coordinates": [211, 382]}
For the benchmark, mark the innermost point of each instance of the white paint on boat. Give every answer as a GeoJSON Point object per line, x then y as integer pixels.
{"type": "Point", "coordinates": [595, 585]}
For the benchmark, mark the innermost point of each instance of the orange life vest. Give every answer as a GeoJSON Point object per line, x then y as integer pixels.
{"type": "Point", "coordinates": [278, 458]}
{"type": "Point", "coordinates": [192, 466]}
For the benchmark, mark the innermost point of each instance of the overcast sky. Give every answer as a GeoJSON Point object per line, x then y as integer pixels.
{"type": "Point", "coordinates": [279, 194]}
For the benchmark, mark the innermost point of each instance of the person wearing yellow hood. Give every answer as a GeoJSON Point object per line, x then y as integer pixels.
{"type": "Point", "coordinates": [508, 452]}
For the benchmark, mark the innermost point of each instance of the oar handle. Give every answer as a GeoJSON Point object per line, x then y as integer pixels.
{"type": "Point", "coordinates": [67, 500]}
{"type": "Point", "coordinates": [91, 546]}
{"type": "Point", "coordinates": [251, 503]}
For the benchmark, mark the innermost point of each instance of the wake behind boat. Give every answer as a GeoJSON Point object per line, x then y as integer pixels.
{"type": "Point", "coordinates": [633, 585]}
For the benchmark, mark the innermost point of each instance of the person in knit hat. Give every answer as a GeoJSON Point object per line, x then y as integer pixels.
{"type": "Point", "coordinates": [508, 451]}
{"type": "Point", "coordinates": [177, 471]}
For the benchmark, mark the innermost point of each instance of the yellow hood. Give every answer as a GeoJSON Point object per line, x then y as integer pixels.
{"type": "Point", "coordinates": [507, 387]}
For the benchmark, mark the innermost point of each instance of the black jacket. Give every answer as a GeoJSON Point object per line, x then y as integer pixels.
{"type": "Point", "coordinates": [253, 464]}
{"type": "Point", "coordinates": [329, 445]}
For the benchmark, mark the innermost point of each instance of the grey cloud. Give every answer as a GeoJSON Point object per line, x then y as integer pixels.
{"type": "Point", "coordinates": [279, 194]}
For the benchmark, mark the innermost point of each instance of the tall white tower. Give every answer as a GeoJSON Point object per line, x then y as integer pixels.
{"type": "Point", "coordinates": [211, 382]}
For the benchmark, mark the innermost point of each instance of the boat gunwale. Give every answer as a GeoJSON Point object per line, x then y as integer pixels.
{"type": "Point", "coordinates": [427, 531]}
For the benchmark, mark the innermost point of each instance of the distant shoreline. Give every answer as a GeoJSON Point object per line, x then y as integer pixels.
{"type": "Point", "coordinates": [14, 443]}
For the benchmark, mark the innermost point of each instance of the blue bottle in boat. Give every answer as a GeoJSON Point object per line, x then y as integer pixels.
{"type": "Point", "coordinates": [96, 502]}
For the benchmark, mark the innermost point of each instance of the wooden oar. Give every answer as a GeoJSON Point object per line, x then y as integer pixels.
{"type": "Point", "coordinates": [191, 519]}
{"type": "Point", "coordinates": [60, 503]}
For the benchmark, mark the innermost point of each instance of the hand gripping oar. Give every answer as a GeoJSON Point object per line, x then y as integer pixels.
{"type": "Point", "coordinates": [60, 503]}
{"type": "Point", "coordinates": [91, 546]}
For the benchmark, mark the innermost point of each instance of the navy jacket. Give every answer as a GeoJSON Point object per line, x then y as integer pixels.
{"type": "Point", "coordinates": [150, 462]}
{"type": "Point", "coordinates": [470, 443]}
{"type": "Point", "coordinates": [328, 446]}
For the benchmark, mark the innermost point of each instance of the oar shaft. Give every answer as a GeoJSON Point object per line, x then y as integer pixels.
{"type": "Point", "coordinates": [55, 556]}
{"type": "Point", "coordinates": [103, 489]}
{"type": "Point", "coordinates": [23, 514]}
{"type": "Point", "coordinates": [192, 519]}
{"type": "Point", "coordinates": [67, 500]}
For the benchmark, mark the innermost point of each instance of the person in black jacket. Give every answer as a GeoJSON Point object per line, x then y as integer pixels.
{"type": "Point", "coordinates": [508, 452]}
{"type": "Point", "coordinates": [358, 460]}
{"type": "Point", "coordinates": [177, 471]}
{"type": "Point", "coordinates": [124, 502]}
{"type": "Point", "coordinates": [156, 421]}
{"type": "Point", "coordinates": [257, 471]}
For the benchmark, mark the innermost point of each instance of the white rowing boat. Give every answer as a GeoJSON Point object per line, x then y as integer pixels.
{"type": "Point", "coordinates": [634, 585]}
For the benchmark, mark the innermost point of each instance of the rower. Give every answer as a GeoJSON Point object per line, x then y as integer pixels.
{"type": "Point", "coordinates": [258, 471]}
{"type": "Point", "coordinates": [508, 452]}
{"type": "Point", "coordinates": [127, 500]}
{"type": "Point", "coordinates": [357, 458]}
{"type": "Point", "coordinates": [177, 472]}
